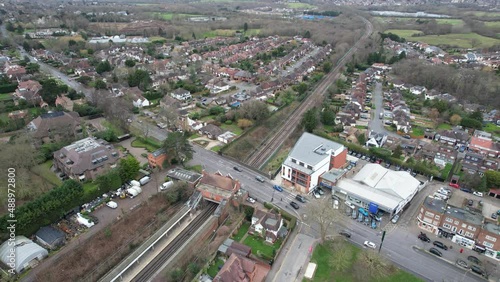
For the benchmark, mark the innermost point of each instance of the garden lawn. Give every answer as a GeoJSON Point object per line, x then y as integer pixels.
{"type": "Point", "coordinates": [216, 148]}
{"type": "Point", "coordinates": [493, 129]}
{"type": "Point", "coordinates": [139, 143]}
{"type": "Point", "coordinates": [462, 40]}
{"type": "Point", "coordinates": [444, 126]}
{"type": "Point", "coordinates": [43, 170]}
{"type": "Point", "coordinates": [110, 126]}
{"type": "Point", "coordinates": [6, 96]}
{"type": "Point", "coordinates": [214, 269]}
{"type": "Point", "coordinates": [446, 171]}
{"type": "Point", "coordinates": [258, 245]}
{"type": "Point", "coordinates": [492, 24]}
{"type": "Point", "coordinates": [417, 132]}
{"type": "Point", "coordinates": [242, 231]}
{"type": "Point", "coordinates": [233, 128]}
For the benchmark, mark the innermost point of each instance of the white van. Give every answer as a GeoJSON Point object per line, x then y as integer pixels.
{"type": "Point", "coordinates": [166, 185]}
{"type": "Point", "coordinates": [135, 183]}
{"type": "Point", "coordinates": [144, 180]}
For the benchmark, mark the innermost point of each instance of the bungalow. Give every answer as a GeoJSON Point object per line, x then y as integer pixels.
{"type": "Point", "coordinates": [64, 102]}
{"type": "Point", "coordinates": [432, 94]}
{"type": "Point", "coordinates": [212, 131]}
{"type": "Point", "coordinates": [485, 146]}
{"type": "Point", "coordinates": [266, 224]}
{"type": "Point", "coordinates": [226, 137]}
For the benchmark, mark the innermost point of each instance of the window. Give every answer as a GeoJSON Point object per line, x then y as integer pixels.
{"type": "Point", "coordinates": [468, 234]}
{"type": "Point", "coordinates": [446, 225]}
{"type": "Point", "coordinates": [461, 232]}
{"type": "Point", "coordinates": [437, 217]}
{"type": "Point", "coordinates": [464, 225]}
{"type": "Point", "coordinates": [301, 163]}
{"type": "Point", "coordinates": [454, 229]}
{"type": "Point", "coordinates": [489, 238]}
{"type": "Point", "coordinates": [488, 245]}
{"type": "Point", "coordinates": [429, 214]}
{"type": "Point", "coordinates": [449, 220]}
{"type": "Point", "coordinates": [294, 161]}
{"type": "Point", "coordinates": [456, 222]}
{"type": "Point", "coordinates": [309, 167]}
{"type": "Point", "coordinates": [471, 228]}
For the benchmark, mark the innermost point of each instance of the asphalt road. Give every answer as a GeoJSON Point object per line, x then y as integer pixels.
{"type": "Point", "coordinates": [376, 124]}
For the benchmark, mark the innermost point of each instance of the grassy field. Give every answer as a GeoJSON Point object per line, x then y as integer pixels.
{"type": "Point", "coordinates": [258, 245]}
{"type": "Point", "coordinates": [242, 231]}
{"type": "Point", "coordinates": [455, 22]}
{"type": "Point", "coordinates": [212, 270]}
{"type": "Point", "coordinates": [444, 126]}
{"type": "Point", "coordinates": [139, 143]}
{"type": "Point", "coordinates": [300, 6]}
{"type": "Point", "coordinates": [5, 96]}
{"type": "Point", "coordinates": [44, 171]}
{"type": "Point", "coordinates": [233, 128]}
{"type": "Point", "coordinates": [322, 256]}
{"type": "Point", "coordinates": [50, 42]}
{"type": "Point", "coordinates": [486, 14]}
{"type": "Point", "coordinates": [462, 40]}
{"type": "Point", "coordinates": [493, 129]}
{"type": "Point", "coordinates": [229, 32]}
{"type": "Point", "coordinates": [169, 16]}
{"type": "Point", "coordinates": [492, 24]}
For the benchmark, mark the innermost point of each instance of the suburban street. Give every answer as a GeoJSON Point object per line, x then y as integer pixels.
{"type": "Point", "coordinates": [376, 124]}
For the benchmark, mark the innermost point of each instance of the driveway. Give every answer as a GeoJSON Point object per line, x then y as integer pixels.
{"type": "Point", "coordinates": [136, 152]}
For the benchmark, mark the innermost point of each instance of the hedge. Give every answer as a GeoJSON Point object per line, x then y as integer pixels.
{"type": "Point", "coordinates": [8, 88]}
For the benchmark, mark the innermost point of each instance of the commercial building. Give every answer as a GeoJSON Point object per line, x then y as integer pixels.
{"type": "Point", "coordinates": [157, 158]}
{"type": "Point", "coordinates": [309, 159]}
{"type": "Point", "coordinates": [86, 158]}
{"type": "Point", "coordinates": [430, 214]}
{"type": "Point", "coordinates": [488, 240]}
{"type": "Point", "coordinates": [376, 186]}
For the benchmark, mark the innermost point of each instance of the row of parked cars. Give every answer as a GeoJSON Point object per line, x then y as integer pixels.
{"type": "Point", "coordinates": [373, 159]}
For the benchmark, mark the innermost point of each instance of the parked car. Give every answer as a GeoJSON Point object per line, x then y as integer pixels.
{"type": "Point", "coordinates": [395, 219]}
{"type": "Point", "coordinates": [251, 200]}
{"type": "Point", "coordinates": [423, 237]}
{"type": "Point", "coordinates": [462, 263]}
{"type": "Point", "coordinates": [350, 205]}
{"type": "Point", "coordinates": [436, 252]}
{"type": "Point", "coordinates": [494, 216]}
{"type": "Point", "coordinates": [479, 194]}
{"type": "Point", "coordinates": [260, 179]}
{"type": "Point", "coordinates": [278, 188]}
{"type": "Point", "coordinates": [440, 245]}
{"type": "Point", "coordinates": [345, 233]}
{"type": "Point", "coordinates": [294, 205]}
{"type": "Point", "coordinates": [473, 259]}
{"type": "Point", "coordinates": [358, 155]}
{"type": "Point", "coordinates": [112, 204]}
{"type": "Point", "coordinates": [406, 136]}
{"type": "Point", "coordinates": [320, 191]}
{"type": "Point", "coordinates": [369, 244]}
{"type": "Point", "coordinates": [387, 165]}
{"type": "Point", "coordinates": [316, 195]}
{"type": "Point", "coordinates": [466, 190]}
{"type": "Point", "coordinates": [476, 269]}
{"type": "Point", "coordinates": [470, 203]}
{"type": "Point", "coordinates": [166, 185]}
{"type": "Point", "coordinates": [237, 168]}
{"type": "Point", "coordinates": [300, 198]}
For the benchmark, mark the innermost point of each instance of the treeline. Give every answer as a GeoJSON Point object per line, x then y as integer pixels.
{"type": "Point", "coordinates": [324, 13]}
{"type": "Point", "coordinates": [392, 36]}
{"type": "Point", "coordinates": [46, 209]}
{"type": "Point", "coordinates": [465, 84]}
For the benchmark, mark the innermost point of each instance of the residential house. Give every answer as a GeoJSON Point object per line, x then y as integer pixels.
{"type": "Point", "coordinates": [266, 225]}
{"type": "Point", "coordinates": [418, 90]}
{"type": "Point", "coordinates": [14, 72]}
{"type": "Point", "coordinates": [454, 137]}
{"type": "Point", "coordinates": [86, 159]}
{"type": "Point", "coordinates": [55, 127]}
{"type": "Point", "coordinates": [445, 155]}
{"type": "Point", "coordinates": [463, 226]}
{"type": "Point", "coordinates": [484, 146]}
{"type": "Point", "coordinates": [430, 214]}
{"type": "Point", "coordinates": [212, 131]}
{"type": "Point", "coordinates": [241, 269]}
{"type": "Point", "coordinates": [309, 158]}
{"type": "Point", "coordinates": [20, 114]}
{"type": "Point", "coordinates": [427, 152]}
{"type": "Point", "coordinates": [488, 240]}
{"type": "Point", "coordinates": [243, 76]}
{"type": "Point", "coordinates": [64, 102]}
{"type": "Point", "coordinates": [217, 188]}
{"type": "Point", "coordinates": [227, 137]}
{"type": "Point", "coordinates": [230, 247]}
{"type": "Point", "coordinates": [476, 163]}
{"type": "Point", "coordinates": [376, 140]}
{"type": "Point", "coordinates": [138, 100]}
{"type": "Point", "coordinates": [157, 158]}
{"type": "Point", "coordinates": [30, 92]}
{"type": "Point", "coordinates": [181, 94]}
{"type": "Point", "coordinates": [50, 237]}
{"type": "Point", "coordinates": [350, 134]}
{"type": "Point", "coordinates": [432, 94]}
{"type": "Point", "coordinates": [402, 121]}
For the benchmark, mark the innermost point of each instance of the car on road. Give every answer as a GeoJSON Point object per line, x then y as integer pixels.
{"type": "Point", "coordinates": [440, 245]}
{"type": "Point", "coordinates": [436, 252]}
{"type": "Point", "coordinates": [251, 200]}
{"type": "Point", "coordinates": [300, 198]}
{"type": "Point", "coordinates": [406, 136]}
{"type": "Point", "coordinates": [278, 188]}
{"type": "Point", "coordinates": [294, 205]}
{"type": "Point", "coordinates": [369, 244]}
{"type": "Point", "coordinates": [473, 259]}
{"type": "Point", "coordinates": [260, 178]}
{"type": "Point", "coordinates": [479, 194]}
{"type": "Point", "coordinates": [423, 237]}
{"type": "Point", "coordinates": [462, 263]}
{"type": "Point", "coordinates": [345, 233]}
{"type": "Point", "coordinates": [476, 269]}
{"type": "Point", "coordinates": [494, 216]}
{"type": "Point", "coordinates": [237, 168]}
{"type": "Point", "coordinates": [112, 204]}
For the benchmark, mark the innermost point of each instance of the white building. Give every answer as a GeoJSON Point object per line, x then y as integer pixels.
{"type": "Point", "coordinates": [390, 190]}
{"type": "Point", "coordinates": [27, 253]}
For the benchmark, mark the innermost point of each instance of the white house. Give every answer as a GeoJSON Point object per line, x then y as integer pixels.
{"type": "Point", "coordinates": [266, 224]}
{"type": "Point", "coordinates": [376, 140]}
{"type": "Point", "coordinates": [226, 137]}
{"type": "Point", "coordinates": [181, 94]}
{"type": "Point", "coordinates": [417, 90]}
{"type": "Point", "coordinates": [141, 102]}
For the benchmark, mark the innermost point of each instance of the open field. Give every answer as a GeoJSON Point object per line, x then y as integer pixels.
{"type": "Point", "coordinates": [455, 22]}
{"type": "Point", "coordinates": [300, 6]}
{"type": "Point", "coordinates": [229, 32]}
{"type": "Point", "coordinates": [492, 24]}
{"type": "Point", "coordinates": [462, 40]}
{"type": "Point", "coordinates": [486, 14]}
{"type": "Point", "coordinates": [43, 170]}
{"type": "Point", "coordinates": [169, 16]}
{"type": "Point", "coordinates": [49, 42]}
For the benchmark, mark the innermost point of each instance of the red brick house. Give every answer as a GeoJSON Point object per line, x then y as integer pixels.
{"type": "Point", "coordinates": [217, 187]}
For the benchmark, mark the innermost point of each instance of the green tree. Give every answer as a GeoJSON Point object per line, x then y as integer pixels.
{"type": "Point", "coordinates": [128, 168]}
{"type": "Point", "coordinates": [139, 78]}
{"type": "Point", "coordinates": [301, 88]}
{"type": "Point", "coordinates": [100, 84]}
{"type": "Point", "coordinates": [245, 27]}
{"type": "Point", "coordinates": [327, 67]}
{"type": "Point", "coordinates": [307, 34]}
{"type": "Point", "coordinates": [361, 138]}
{"type": "Point", "coordinates": [178, 146]}
{"type": "Point", "coordinates": [129, 63]}
{"type": "Point", "coordinates": [32, 68]}
{"type": "Point", "coordinates": [310, 120]}
{"type": "Point", "coordinates": [103, 67]}
{"type": "Point", "coordinates": [176, 275]}
{"type": "Point", "coordinates": [471, 123]}
{"type": "Point", "coordinates": [50, 91]}
{"type": "Point", "coordinates": [328, 117]}
{"type": "Point", "coordinates": [492, 179]}
{"type": "Point", "coordinates": [477, 115]}
{"type": "Point", "coordinates": [397, 152]}
{"type": "Point", "coordinates": [90, 51]}
{"type": "Point", "coordinates": [194, 268]}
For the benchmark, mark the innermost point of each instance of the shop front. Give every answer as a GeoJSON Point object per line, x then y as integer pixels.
{"type": "Point", "coordinates": [462, 241]}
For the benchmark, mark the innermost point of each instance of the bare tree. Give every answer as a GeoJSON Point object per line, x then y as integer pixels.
{"type": "Point", "coordinates": [169, 114]}
{"type": "Point", "coordinates": [324, 215]}
{"type": "Point", "coordinates": [341, 261]}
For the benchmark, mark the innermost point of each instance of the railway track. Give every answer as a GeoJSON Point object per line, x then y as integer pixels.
{"type": "Point", "coordinates": [268, 147]}
{"type": "Point", "coordinates": [149, 271]}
